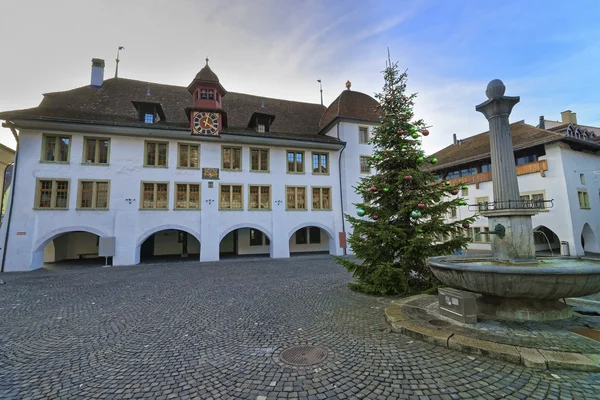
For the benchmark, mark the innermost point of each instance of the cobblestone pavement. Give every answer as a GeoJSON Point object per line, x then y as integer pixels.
{"type": "Point", "coordinates": [192, 330]}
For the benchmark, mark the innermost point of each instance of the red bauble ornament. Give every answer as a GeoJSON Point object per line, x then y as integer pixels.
{"type": "Point", "coordinates": [400, 131]}
{"type": "Point", "coordinates": [375, 217]}
{"type": "Point", "coordinates": [426, 132]}
{"type": "Point", "coordinates": [466, 226]}
{"type": "Point", "coordinates": [408, 177]}
{"type": "Point", "coordinates": [454, 192]}
{"type": "Point", "coordinates": [373, 189]}
{"type": "Point", "coordinates": [421, 206]}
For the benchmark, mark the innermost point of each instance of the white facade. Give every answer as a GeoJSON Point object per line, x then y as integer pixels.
{"type": "Point", "coordinates": [567, 169]}
{"type": "Point", "coordinates": [32, 229]}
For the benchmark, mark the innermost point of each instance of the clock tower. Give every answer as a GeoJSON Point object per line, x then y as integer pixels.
{"type": "Point", "coordinates": [206, 113]}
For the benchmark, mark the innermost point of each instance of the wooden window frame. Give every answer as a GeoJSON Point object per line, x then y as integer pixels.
{"type": "Point", "coordinates": [45, 138]}
{"type": "Point", "coordinates": [360, 157]}
{"type": "Point", "coordinates": [530, 195]}
{"type": "Point", "coordinates": [187, 201]}
{"type": "Point", "coordinates": [320, 198]}
{"type": "Point", "coordinates": [264, 238]}
{"type": "Point", "coordinates": [319, 153]}
{"type": "Point", "coordinates": [367, 136]}
{"type": "Point", "coordinates": [306, 232]}
{"type": "Point", "coordinates": [53, 194]}
{"type": "Point", "coordinates": [453, 212]}
{"type": "Point", "coordinates": [96, 151]}
{"type": "Point", "coordinates": [260, 159]}
{"type": "Point", "coordinates": [464, 192]}
{"type": "Point", "coordinates": [94, 205]}
{"type": "Point", "coordinates": [231, 185]}
{"type": "Point", "coordinates": [586, 199]}
{"type": "Point", "coordinates": [287, 165]}
{"type": "Point", "coordinates": [179, 166]}
{"type": "Point", "coordinates": [223, 148]}
{"type": "Point", "coordinates": [156, 155]}
{"type": "Point", "coordinates": [259, 208]}
{"type": "Point", "coordinates": [155, 194]}
{"type": "Point", "coordinates": [310, 236]}
{"type": "Point", "coordinates": [486, 201]}
{"type": "Point", "coordinates": [296, 198]}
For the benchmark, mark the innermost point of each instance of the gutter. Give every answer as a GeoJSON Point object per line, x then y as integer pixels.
{"type": "Point", "coordinates": [341, 191]}
{"type": "Point", "coordinates": [12, 192]}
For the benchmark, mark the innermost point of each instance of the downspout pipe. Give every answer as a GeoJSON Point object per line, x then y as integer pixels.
{"type": "Point", "coordinates": [5, 189]}
{"type": "Point", "coordinates": [341, 190]}
{"type": "Point", "coordinates": [12, 192]}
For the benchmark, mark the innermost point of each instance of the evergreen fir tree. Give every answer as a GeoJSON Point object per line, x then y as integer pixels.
{"type": "Point", "coordinates": [404, 206]}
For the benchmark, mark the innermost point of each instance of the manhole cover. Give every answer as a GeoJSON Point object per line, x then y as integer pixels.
{"type": "Point", "coordinates": [303, 355]}
{"type": "Point", "coordinates": [438, 322]}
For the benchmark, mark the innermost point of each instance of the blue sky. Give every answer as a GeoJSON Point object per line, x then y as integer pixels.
{"type": "Point", "coordinates": [547, 52]}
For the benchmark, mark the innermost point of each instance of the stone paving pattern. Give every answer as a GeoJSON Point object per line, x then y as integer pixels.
{"type": "Point", "coordinates": [213, 331]}
{"type": "Point", "coordinates": [548, 335]}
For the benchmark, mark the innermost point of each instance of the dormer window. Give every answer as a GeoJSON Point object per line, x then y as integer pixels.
{"type": "Point", "coordinates": [211, 94]}
{"type": "Point", "coordinates": [149, 113]}
{"type": "Point", "coordinates": [260, 128]}
{"type": "Point", "coordinates": [203, 94]}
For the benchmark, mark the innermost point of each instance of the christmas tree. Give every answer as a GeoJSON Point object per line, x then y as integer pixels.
{"type": "Point", "coordinates": [402, 217]}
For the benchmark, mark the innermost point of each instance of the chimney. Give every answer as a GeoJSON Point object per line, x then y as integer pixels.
{"type": "Point", "coordinates": [97, 73]}
{"type": "Point", "coordinates": [542, 122]}
{"type": "Point", "coordinates": [566, 117]}
{"type": "Point", "coordinates": [455, 141]}
{"type": "Point", "coordinates": [574, 118]}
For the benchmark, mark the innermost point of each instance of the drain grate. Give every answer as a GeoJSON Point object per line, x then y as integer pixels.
{"type": "Point", "coordinates": [587, 332]}
{"type": "Point", "coordinates": [303, 355]}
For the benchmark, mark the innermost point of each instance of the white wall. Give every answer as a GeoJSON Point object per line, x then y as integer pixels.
{"type": "Point", "coordinates": [560, 183]}
{"type": "Point", "coordinates": [70, 246]}
{"type": "Point", "coordinates": [131, 226]}
{"type": "Point", "coordinates": [351, 175]}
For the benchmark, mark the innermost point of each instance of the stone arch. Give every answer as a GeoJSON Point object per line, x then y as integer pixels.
{"type": "Point", "coordinates": [317, 224]}
{"type": "Point", "coordinates": [44, 240]}
{"type": "Point", "coordinates": [589, 239]}
{"type": "Point", "coordinates": [324, 228]}
{"type": "Point", "coordinates": [149, 232]}
{"type": "Point", "coordinates": [246, 225]}
{"type": "Point", "coordinates": [545, 238]}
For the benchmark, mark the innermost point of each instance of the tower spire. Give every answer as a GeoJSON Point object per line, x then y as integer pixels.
{"type": "Point", "coordinates": [207, 61]}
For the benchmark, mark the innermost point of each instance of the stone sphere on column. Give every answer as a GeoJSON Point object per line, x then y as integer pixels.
{"type": "Point", "coordinates": [495, 89]}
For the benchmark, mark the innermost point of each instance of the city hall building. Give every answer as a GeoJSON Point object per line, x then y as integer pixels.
{"type": "Point", "coordinates": [134, 170]}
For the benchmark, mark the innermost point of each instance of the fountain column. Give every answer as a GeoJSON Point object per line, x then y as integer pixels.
{"type": "Point", "coordinates": [513, 241]}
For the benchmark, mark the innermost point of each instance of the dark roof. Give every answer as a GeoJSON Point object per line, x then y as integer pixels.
{"type": "Point", "coordinates": [478, 147]}
{"type": "Point", "coordinates": [354, 105]}
{"type": "Point", "coordinates": [206, 74]}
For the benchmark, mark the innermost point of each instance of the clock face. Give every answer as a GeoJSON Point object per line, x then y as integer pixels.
{"type": "Point", "coordinates": [205, 123]}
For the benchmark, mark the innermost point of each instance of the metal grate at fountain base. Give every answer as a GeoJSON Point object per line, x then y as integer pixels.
{"type": "Point", "coordinates": [303, 355]}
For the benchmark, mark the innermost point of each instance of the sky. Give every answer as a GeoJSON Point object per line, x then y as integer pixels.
{"type": "Point", "coordinates": [547, 52]}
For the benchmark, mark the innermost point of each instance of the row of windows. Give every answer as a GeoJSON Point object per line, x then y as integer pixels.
{"type": "Point", "coordinates": [96, 151]}
{"type": "Point", "coordinates": [54, 194]}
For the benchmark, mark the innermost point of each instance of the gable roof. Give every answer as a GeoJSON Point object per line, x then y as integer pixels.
{"type": "Point", "coordinates": [112, 104]}
{"type": "Point", "coordinates": [353, 105]}
{"type": "Point", "coordinates": [477, 147]}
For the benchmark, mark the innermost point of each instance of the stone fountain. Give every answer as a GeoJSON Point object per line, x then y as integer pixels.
{"type": "Point", "coordinates": [514, 284]}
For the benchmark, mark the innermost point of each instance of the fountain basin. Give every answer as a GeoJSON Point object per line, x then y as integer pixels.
{"type": "Point", "coordinates": [522, 291]}
{"type": "Point", "coordinates": [549, 278]}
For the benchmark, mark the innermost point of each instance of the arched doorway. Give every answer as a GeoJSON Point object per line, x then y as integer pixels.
{"type": "Point", "coordinates": [169, 245]}
{"type": "Point", "coordinates": [589, 242]}
{"type": "Point", "coordinates": [73, 248]}
{"type": "Point", "coordinates": [245, 242]}
{"type": "Point", "coordinates": [546, 241]}
{"type": "Point", "coordinates": [311, 239]}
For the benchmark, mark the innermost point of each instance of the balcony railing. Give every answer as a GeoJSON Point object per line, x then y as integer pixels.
{"type": "Point", "coordinates": [531, 204]}
{"type": "Point", "coordinates": [540, 166]}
